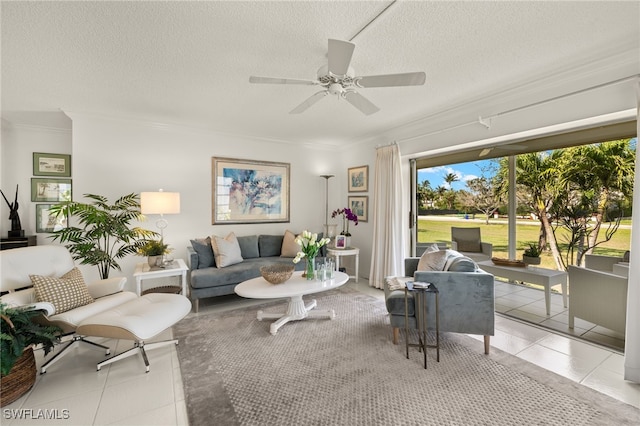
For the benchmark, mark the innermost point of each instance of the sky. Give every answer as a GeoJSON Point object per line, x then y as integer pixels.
{"type": "Point", "coordinates": [464, 171]}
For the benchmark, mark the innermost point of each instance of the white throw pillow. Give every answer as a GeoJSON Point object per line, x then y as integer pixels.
{"type": "Point", "coordinates": [433, 261]}
{"type": "Point", "coordinates": [289, 246]}
{"type": "Point", "coordinates": [226, 250]}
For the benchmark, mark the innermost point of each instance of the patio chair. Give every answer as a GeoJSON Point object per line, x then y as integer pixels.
{"type": "Point", "coordinates": [469, 242]}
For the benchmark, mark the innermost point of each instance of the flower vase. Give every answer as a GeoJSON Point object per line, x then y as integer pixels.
{"type": "Point", "coordinates": [310, 268]}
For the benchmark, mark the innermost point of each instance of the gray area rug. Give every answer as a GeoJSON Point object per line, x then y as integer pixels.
{"type": "Point", "coordinates": [346, 371]}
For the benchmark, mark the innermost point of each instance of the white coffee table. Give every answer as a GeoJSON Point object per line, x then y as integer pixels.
{"type": "Point", "coordinates": [535, 275]}
{"type": "Point", "coordinates": [294, 289]}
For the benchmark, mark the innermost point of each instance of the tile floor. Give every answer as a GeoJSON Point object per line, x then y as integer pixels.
{"type": "Point", "coordinates": [73, 393]}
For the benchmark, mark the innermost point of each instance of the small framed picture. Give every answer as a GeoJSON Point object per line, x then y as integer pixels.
{"type": "Point", "coordinates": [341, 241]}
{"type": "Point", "coordinates": [46, 222]}
{"type": "Point", "coordinates": [358, 179]}
{"type": "Point", "coordinates": [52, 190]}
{"type": "Point", "coordinates": [45, 164]}
{"type": "Point", "coordinates": [360, 206]}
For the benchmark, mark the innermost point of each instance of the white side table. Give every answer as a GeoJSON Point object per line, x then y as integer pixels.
{"type": "Point", "coordinates": [349, 251]}
{"type": "Point", "coordinates": [177, 269]}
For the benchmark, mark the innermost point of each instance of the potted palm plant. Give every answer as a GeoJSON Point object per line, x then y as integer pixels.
{"type": "Point", "coordinates": [18, 336]}
{"type": "Point", "coordinates": [531, 255]}
{"type": "Point", "coordinates": [104, 233]}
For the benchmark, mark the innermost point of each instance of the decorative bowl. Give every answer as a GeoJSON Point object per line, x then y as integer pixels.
{"type": "Point", "coordinates": [277, 274]}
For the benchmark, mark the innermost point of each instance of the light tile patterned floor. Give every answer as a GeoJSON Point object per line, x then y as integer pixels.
{"type": "Point", "coordinates": [122, 394]}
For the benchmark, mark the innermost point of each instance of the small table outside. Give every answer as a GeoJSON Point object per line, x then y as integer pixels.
{"type": "Point", "coordinates": [294, 288]}
{"type": "Point", "coordinates": [535, 275]}
{"type": "Point", "coordinates": [349, 251]}
{"type": "Point", "coordinates": [176, 269]}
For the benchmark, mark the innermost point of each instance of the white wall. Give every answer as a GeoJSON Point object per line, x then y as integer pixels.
{"type": "Point", "coordinates": [114, 157]}
{"type": "Point", "coordinates": [17, 147]}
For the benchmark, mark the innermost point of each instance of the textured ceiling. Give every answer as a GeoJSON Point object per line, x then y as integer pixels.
{"type": "Point", "coordinates": [190, 62]}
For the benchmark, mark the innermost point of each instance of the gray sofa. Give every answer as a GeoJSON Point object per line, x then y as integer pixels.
{"type": "Point", "coordinates": [207, 280]}
{"type": "Point", "coordinates": [466, 300]}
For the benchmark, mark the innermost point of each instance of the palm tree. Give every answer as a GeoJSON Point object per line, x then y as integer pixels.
{"type": "Point", "coordinates": [449, 178]}
{"type": "Point", "coordinates": [538, 187]}
{"type": "Point", "coordinates": [605, 171]}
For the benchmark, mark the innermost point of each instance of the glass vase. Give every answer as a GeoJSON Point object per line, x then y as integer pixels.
{"type": "Point", "coordinates": [310, 268]}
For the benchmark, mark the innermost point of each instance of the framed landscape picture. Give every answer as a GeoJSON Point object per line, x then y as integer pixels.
{"type": "Point", "coordinates": [51, 190]}
{"type": "Point", "coordinates": [358, 179]}
{"type": "Point", "coordinates": [247, 191]}
{"type": "Point", "coordinates": [46, 222]}
{"type": "Point", "coordinates": [360, 206]}
{"type": "Point", "coordinates": [51, 164]}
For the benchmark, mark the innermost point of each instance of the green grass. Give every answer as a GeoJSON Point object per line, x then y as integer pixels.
{"type": "Point", "coordinates": [497, 234]}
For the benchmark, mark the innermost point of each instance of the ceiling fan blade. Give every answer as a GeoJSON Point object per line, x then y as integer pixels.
{"type": "Point", "coordinates": [270, 80]}
{"type": "Point", "coordinates": [360, 102]}
{"type": "Point", "coordinates": [390, 80]}
{"type": "Point", "coordinates": [310, 101]}
{"type": "Point", "coordinates": [340, 53]}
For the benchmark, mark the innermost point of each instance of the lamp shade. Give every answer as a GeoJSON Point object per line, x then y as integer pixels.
{"type": "Point", "coordinates": [160, 202]}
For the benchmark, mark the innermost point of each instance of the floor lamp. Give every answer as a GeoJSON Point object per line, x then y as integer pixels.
{"type": "Point", "coordinates": [160, 203]}
{"type": "Point", "coordinates": [329, 229]}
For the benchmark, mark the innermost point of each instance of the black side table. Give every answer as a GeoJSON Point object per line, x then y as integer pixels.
{"type": "Point", "coordinates": [420, 292]}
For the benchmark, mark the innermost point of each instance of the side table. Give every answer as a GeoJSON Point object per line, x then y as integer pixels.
{"type": "Point", "coordinates": [420, 293]}
{"type": "Point", "coordinates": [349, 251]}
{"type": "Point", "coordinates": [176, 269]}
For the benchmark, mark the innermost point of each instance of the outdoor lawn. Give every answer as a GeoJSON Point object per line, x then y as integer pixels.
{"type": "Point", "coordinates": [438, 229]}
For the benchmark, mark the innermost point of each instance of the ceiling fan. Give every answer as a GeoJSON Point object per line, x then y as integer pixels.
{"type": "Point", "coordinates": [338, 78]}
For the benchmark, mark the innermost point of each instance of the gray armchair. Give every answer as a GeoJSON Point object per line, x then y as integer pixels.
{"type": "Point", "coordinates": [466, 301]}
{"type": "Point", "coordinates": [469, 242]}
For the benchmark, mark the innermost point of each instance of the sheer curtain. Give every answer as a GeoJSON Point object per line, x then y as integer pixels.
{"type": "Point", "coordinates": [632, 338]}
{"type": "Point", "coordinates": [387, 253]}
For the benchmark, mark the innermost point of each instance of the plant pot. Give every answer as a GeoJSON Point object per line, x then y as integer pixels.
{"type": "Point", "coordinates": [20, 379]}
{"type": "Point", "coordinates": [531, 260]}
{"type": "Point", "coordinates": [153, 260]}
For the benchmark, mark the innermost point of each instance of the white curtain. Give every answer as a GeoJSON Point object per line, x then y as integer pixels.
{"type": "Point", "coordinates": [387, 254]}
{"type": "Point", "coordinates": [632, 338]}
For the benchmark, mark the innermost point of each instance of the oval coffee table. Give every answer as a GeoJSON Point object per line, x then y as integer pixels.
{"type": "Point", "coordinates": [294, 288]}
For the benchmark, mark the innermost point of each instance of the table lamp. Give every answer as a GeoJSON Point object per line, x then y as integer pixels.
{"type": "Point", "coordinates": [160, 203]}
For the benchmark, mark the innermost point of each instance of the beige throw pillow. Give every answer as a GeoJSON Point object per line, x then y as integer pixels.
{"type": "Point", "coordinates": [64, 293]}
{"type": "Point", "coordinates": [226, 250]}
{"type": "Point", "coordinates": [289, 246]}
{"type": "Point", "coordinates": [433, 261]}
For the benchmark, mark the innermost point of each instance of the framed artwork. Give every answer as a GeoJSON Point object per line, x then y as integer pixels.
{"type": "Point", "coordinates": [52, 190]}
{"type": "Point", "coordinates": [358, 179]}
{"type": "Point", "coordinates": [247, 191]}
{"type": "Point", "coordinates": [341, 241]}
{"type": "Point", "coordinates": [360, 206]}
{"type": "Point", "coordinates": [51, 164]}
{"type": "Point", "coordinates": [46, 222]}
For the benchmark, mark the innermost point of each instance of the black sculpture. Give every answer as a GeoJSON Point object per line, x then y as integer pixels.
{"type": "Point", "coordinates": [16, 226]}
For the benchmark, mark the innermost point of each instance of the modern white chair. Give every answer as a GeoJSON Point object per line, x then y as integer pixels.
{"type": "Point", "coordinates": [109, 311]}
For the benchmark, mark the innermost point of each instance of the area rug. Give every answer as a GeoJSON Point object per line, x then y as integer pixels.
{"type": "Point", "coordinates": [346, 371]}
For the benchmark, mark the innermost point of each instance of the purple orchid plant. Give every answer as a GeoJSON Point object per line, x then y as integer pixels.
{"type": "Point", "coordinates": [347, 216]}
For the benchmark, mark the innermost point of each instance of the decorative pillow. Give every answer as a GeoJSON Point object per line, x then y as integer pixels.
{"type": "Point", "coordinates": [289, 246]}
{"type": "Point", "coordinates": [64, 293]}
{"type": "Point", "coordinates": [226, 250]}
{"type": "Point", "coordinates": [470, 246]}
{"type": "Point", "coordinates": [431, 248]}
{"type": "Point", "coordinates": [461, 264]}
{"type": "Point", "coordinates": [433, 261]}
{"type": "Point", "coordinates": [203, 249]}
{"type": "Point", "coordinates": [270, 245]}
{"type": "Point", "coordinates": [249, 246]}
